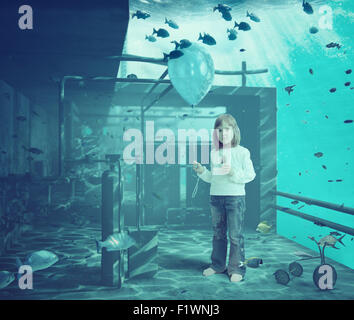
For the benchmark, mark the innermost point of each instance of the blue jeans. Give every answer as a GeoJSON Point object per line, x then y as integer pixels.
{"type": "Point", "coordinates": [227, 212]}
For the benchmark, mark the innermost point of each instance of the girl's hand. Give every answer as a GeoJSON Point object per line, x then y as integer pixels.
{"type": "Point", "coordinates": [197, 167]}
{"type": "Point", "coordinates": [226, 169]}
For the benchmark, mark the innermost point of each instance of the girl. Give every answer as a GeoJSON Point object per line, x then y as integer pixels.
{"type": "Point", "coordinates": [231, 167]}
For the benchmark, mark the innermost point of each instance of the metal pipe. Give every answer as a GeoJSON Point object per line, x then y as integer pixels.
{"type": "Point", "coordinates": [163, 93]}
{"type": "Point", "coordinates": [61, 126]}
{"type": "Point", "coordinates": [239, 73]}
{"type": "Point", "coordinates": [137, 191]}
{"type": "Point", "coordinates": [130, 57]}
{"type": "Point", "coordinates": [319, 221]}
{"type": "Point", "coordinates": [162, 62]}
{"type": "Point", "coordinates": [319, 203]}
{"type": "Point", "coordinates": [97, 115]}
{"type": "Point", "coordinates": [244, 73]}
{"type": "Point", "coordinates": [154, 86]}
{"type": "Point", "coordinates": [140, 181]}
{"type": "Point", "coordinates": [115, 79]}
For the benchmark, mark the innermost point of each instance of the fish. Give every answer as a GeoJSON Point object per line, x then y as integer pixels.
{"type": "Point", "coordinates": [333, 45]}
{"type": "Point", "coordinates": [116, 242]}
{"type": "Point", "coordinates": [6, 278]}
{"type": "Point", "coordinates": [226, 15]}
{"type": "Point", "coordinates": [232, 34]}
{"type": "Point", "coordinates": [156, 196]}
{"type": "Point", "coordinates": [332, 90]}
{"type": "Point", "coordinates": [171, 23]}
{"type": "Point", "coordinates": [330, 180]}
{"type": "Point", "coordinates": [184, 43]}
{"type": "Point", "coordinates": [263, 227]}
{"type": "Point", "coordinates": [3, 152]}
{"type": "Point", "coordinates": [39, 260]}
{"type": "Point", "coordinates": [253, 17]}
{"type": "Point", "coordinates": [331, 241]}
{"type": "Point", "coordinates": [174, 54]}
{"type": "Point", "coordinates": [21, 118]}
{"type": "Point", "coordinates": [132, 76]}
{"type": "Point", "coordinates": [33, 150]}
{"type": "Point", "coordinates": [313, 30]}
{"type": "Point", "coordinates": [349, 71]}
{"type": "Point", "coordinates": [347, 84]}
{"type": "Point", "coordinates": [290, 89]}
{"type": "Point", "coordinates": [141, 14]}
{"type": "Point", "coordinates": [176, 44]}
{"type": "Point", "coordinates": [244, 26]}
{"type": "Point", "coordinates": [324, 167]}
{"type": "Point", "coordinates": [162, 33]}
{"type": "Point", "coordinates": [15, 136]}
{"type": "Point", "coordinates": [253, 262]}
{"type": "Point", "coordinates": [29, 158]}
{"type": "Point", "coordinates": [151, 38]}
{"type": "Point", "coordinates": [35, 113]}
{"type": "Point", "coordinates": [242, 50]}
{"type": "Point", "coordinates": [294, 202]}
{"type": "Point", "coordinates": [64, 206]}
{"type": "Point", "coordinates": [348, 121]}
{"type": "Point", "coordinates": [339, 180]}
{"type": "Point", "coordinates": [307, 7]}
{"type": "Point", "coordinates": [222, 8]}
{"type": "Point", "coordinates": [311, 71]}
{"type": "Point", "coordinates": [207, 39]}
{"type": "Point", "coordinates": [318, 154]}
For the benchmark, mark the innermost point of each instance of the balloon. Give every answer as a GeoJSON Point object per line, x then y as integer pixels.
{"type": "Point", "coordinates": [192, 74]}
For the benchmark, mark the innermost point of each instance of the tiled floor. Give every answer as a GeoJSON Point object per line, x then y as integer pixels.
{"type": "Point", "coordinates": [182, 256]}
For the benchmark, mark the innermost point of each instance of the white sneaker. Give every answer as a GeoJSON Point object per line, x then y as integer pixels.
{"type": "Point", "coordinates": [236, 277]}
{"type": "Point", "coordinates": [208, 272]}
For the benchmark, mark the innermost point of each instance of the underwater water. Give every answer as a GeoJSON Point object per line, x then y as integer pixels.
{"type": "Point", "coordinates": [314, 159]}
{"type": "Point", "coordinates": [309, 120]}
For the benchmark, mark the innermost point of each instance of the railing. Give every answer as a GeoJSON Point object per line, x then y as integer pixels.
{"type": "Point", "coordinates": [316, 220]}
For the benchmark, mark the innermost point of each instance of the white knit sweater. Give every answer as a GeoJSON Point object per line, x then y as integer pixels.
{"type": "Point", "coordinates": [224, 184]}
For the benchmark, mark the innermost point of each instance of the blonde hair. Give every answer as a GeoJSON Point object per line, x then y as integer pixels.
{"type": "Point", "coordinates": [230, 120]}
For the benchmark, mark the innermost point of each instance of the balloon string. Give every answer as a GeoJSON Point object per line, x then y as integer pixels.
{"type": "Point", "coordinates": [195, 188]}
